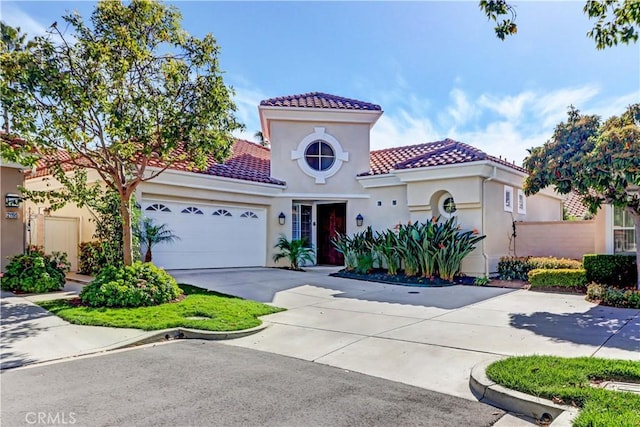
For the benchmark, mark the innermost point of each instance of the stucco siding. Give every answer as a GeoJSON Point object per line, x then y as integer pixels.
{"type": "Point", "coordinates": [286, 136]}
{"type": "Point", "coordinates": [12, 229]}
{"type": "Point", "coordinates": [381, 213]}
{"type": "Point", "coordinates": [563, 239]}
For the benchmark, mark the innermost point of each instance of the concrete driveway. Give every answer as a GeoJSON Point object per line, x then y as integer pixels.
{"type": "Point", "coordinates": [427, 337]}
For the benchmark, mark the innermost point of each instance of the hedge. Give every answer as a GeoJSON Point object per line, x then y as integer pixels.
{"type": "Point", "coordinates": [563, 277]}
{"type": "Point", "coordinates": [517, 268]}
{"type": "Point", "coordinates": [613, 270]}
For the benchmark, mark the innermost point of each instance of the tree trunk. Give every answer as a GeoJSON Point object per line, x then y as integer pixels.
{"type": "Point", "coordinates": [127, 240]}
{"type": "Point", "coordinates": [636, 222]}
{"type": "Point", "coordinates": [147, 255]}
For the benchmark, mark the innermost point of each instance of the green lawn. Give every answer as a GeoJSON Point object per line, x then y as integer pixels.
{"type": "Point", "coordinates": [569, 379]}
{"type": "Point", "coordinates": [221, 313]}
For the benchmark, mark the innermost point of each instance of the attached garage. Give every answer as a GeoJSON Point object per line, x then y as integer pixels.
{"type": "Point", "coordinates": [211, 236]}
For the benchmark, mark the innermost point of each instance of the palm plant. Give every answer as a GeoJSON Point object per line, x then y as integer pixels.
{"type": "Point", "coordinates": [151, 234]}
{"type": "Point", "coordinates": [297, 251]}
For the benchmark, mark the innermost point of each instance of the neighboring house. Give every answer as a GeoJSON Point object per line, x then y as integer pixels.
{"type": "Point", "coordinates": [12, 222]}
{"type": "Point", "coordinates": [320, 178]}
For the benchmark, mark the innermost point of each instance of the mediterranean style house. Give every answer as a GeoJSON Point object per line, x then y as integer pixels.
{"type": "Point", "coordinates": [318, 178]}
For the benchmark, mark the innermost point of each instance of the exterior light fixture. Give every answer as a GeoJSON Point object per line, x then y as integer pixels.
{"type": "Point", "coordinates": [359, 220]}
{"type": "Point", "coordinates": [12, 200]}
{"type": "Point", "coordinates": [281, 218]}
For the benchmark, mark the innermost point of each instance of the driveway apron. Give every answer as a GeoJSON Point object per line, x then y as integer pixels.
{"type": "Point", "coordinates": [427, 337]}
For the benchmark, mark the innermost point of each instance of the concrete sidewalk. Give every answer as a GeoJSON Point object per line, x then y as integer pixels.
{"type": "Point", "coordinates": [30, 334]}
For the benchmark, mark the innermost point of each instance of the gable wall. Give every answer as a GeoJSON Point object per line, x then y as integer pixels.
{"type": "Point", "coordinates": [287, 135]}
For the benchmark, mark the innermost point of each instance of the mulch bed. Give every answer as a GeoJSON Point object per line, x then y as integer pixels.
{"type": "Point", "coordinates": [381, 276]}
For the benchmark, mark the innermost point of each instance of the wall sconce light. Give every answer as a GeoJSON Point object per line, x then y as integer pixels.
{"type": "Point", "coordinates": [12, 200]}
{"type": "Point", "coordinates": [281, 218]}
{"type": "Point", "coordinates": [359, 220]}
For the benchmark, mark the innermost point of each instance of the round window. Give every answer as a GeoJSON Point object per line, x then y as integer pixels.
{"type": "Point", "coordinates": [319, 155]}
{"type": "Point", "coordinates": [449, 205]}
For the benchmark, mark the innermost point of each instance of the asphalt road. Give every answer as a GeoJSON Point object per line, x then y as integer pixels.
{"type": "Point", "coordinates": [203, 383]}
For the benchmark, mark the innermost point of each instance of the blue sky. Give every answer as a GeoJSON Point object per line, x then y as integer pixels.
{"type": "Point", "coordinates": [436, 68]}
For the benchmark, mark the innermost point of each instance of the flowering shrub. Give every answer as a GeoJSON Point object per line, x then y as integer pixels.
{"type": "Point", "coordinates": [36, 272]}
{"type": "Point", "coordinates": [137, 285]}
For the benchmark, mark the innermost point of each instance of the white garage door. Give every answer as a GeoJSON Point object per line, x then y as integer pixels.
{"type": "Point", "coordinates": [210, 236]}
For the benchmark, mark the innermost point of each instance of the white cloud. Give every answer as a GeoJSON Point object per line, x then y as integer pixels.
{"type": "Point", "coordinates": [552, 106]}
{"type": "Point", "coordinates": [462, 111]}
{"type": "Point", "coordinates": [510, 107]}
{"type": "Point", "coordinates": [15, 17]}
{"type": "Point", "coordinates": [392, 131]}
{"type": "Point", "coordinates": [247, 101]}
{"type": "Point", "coordinates": [501, 125]}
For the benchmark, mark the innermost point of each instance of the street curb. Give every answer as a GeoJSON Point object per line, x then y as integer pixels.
{"type": "Point", "coordinates": [194, 334]}
{"type": "Point", "coordinates": [543, 410]}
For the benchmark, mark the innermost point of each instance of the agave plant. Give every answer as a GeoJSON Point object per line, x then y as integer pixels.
{"type": "Point", "coordinates": [151, 234]}
{"type": "Point", "coordinates": [297, 251]}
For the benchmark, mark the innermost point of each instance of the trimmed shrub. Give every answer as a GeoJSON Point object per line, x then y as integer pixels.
{"type": "Point", "coordinates": [613, 270]}
{"type": "Point", "coordinates": [137, 285]}
{"type": "Point", "coordinates": [518, 268]}
{"type": "Point", "coordinates": [36, 272]}
{"type": "Point", "coordinates": [554, 263]}
{"type": "Point", "coordinates": [563, 277]}
{"type": "Point", "coordinates": [624, 298]}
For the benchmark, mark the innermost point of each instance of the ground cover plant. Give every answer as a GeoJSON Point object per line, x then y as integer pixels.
{"type": "Point", "coordinates": [575, 381]}
{"type": "Point", "coordinates": [36, 272]}
{"type": "Point", "coordinates": [432, 250]}
{"type": "Point", "coordinates": [198, 309]}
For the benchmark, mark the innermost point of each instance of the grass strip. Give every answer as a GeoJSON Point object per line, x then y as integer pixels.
{"type": "Point", "coordinates": [200, 309]}
{"type": "Point", "coordinates": [571, 381]}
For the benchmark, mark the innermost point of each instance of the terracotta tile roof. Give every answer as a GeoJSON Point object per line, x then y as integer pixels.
{"type": "Point", "coordinates": [248, 162]}
{"type": "Point", "coordinates": [573, 204]}
{"type": "Point", "coordinates": [438, 153]}
{"type": "Point", "coordinates": [320, 100]}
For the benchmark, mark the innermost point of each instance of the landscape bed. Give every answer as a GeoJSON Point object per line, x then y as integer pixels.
{"type": "Point", "coordinates": [381, 276]}
{"type": "Point", "coordinates": [197, 309]}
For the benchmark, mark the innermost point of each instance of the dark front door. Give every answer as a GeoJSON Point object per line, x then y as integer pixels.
{"type": "Point", "coordinates": [331, 220]}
